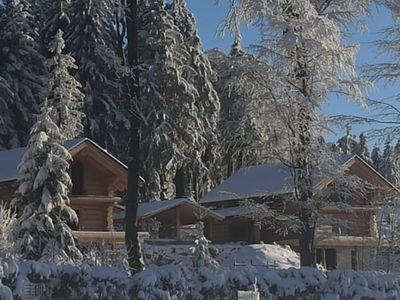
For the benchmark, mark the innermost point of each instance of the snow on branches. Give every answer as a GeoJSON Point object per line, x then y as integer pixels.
{"type": "Point", "coordinates": [42, 231]}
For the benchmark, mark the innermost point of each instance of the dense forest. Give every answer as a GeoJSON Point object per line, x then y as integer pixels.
{"type": "Point", "coordinates": [133, 77]}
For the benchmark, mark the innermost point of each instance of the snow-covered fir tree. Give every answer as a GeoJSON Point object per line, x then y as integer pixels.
{"type": "Point", "coordinates": [42, 230]}
{"type": "Point", "coordinates": [207, 100]}
{"type": "Point", "coordinates": [302, 41]}
{"type": "Point", "coordinates": [376, 157]}
{"type": "Point", "coordinates": [201, 252]}
{"type": "Point", "coordinates": [64, 96]}
{"type": "Point", "coordinates": [388, 167]}
{"type": "Point", "coordinates": [176, 124]}
{"type": "Point", "coordinates": [57, 19]}
{"type": "Point", "coordinates": [90, 39]}
{"type": "Point", "coordinates": [361, 148]}
{"type": "Point", "coordinates": [347, 144]}
{"type": "Point", "coordinates": [21, 73]}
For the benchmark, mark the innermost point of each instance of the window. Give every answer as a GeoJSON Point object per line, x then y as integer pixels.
{"type": "Point", "coordinates": [354, 259]}
{"type": "Point", "coordinates": [331, 259]}
{"type": "Point", "coordinates": [77, 178]}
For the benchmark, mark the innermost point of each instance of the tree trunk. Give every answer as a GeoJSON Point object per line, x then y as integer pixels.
{"type": "Point", "coordinates": [180, 183]}
{"type": "Point", "coordinates": [305, 188]}
{"type": "Point", "coordinates": [306, 240]}
{"type": "Point", "coordinates": [131, 206]}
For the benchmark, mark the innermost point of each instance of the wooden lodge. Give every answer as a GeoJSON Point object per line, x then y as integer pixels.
{"type": "Point", "coordinates": [348, 244]}
{"type": "Point", "coordinates": [97, 177]}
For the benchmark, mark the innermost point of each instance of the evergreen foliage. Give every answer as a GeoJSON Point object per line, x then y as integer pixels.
{"type": "Point", "coordinates": [90, 39]}
{"type": "Point", "coordinates": [207, 103]}
{"type": "Point", "coordinates": [347, 144]}
{"type": "Point", "coordinates": [376, 157]}
{"type": "Point", "coordinates": [388, 166]}
{"type": "Point", "coordinates": [42, 230]}
{"type": "Point", "coordinates": [64, 96]}
{"type": "Point", "coordinates": [57, 19]}
{"type": "Point", "coordinates": [176, 91]}
{"type": "Point", "coordinates": [201, 252]}
{"type": "Point", "coordinates": [361, 149]}
{"type": "Point", "coordinates": [21, 73]}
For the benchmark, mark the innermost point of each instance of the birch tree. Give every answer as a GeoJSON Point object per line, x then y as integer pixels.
{"type": "Point", "coordinates": [246, 135]}
{"type": "Point", "coordinates": [302, 41]}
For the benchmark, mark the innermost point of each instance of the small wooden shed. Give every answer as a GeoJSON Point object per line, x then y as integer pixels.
{"type": "Point", "coordinates": [175, 216]}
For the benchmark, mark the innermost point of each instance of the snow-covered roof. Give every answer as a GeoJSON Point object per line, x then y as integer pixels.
{"type": "Point", "coordinates": [149, 209]}
{"type": "Point", "coordinates": [254, 181]}
{"type": "Point", "coordinates": [10, 159]}
{"type": "Point", "coordinates": [263, 180]}
{"type": "Point", "coordinates": [233, 211]}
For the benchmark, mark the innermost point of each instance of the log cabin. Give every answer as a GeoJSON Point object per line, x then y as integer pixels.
{"type": "Point", "coordinates": [97, 177]}
{"type": "Point", "coordinates": [351, 243]}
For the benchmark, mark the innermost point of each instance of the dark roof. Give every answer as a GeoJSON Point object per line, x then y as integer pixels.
{"type": "Point", "coordinates": [264, 180]}
{"type": "Point", "coordinates": [10, 159]}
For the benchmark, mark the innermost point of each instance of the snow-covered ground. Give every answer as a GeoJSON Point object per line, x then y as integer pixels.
{"type": "Point", "coordinates": [228, 255]}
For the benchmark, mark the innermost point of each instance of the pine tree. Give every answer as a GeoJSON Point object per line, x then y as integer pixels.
{"type": "Point", "coordinates": [64, 94]}
{"type": "Point", "coordinates": [91, 40]}
{"type": "Point", "coordinates": [175, 131]}
{"type": "Point", "coordinates": [21, 73]}
{"type": "Point", "coordinates": [42, 230]}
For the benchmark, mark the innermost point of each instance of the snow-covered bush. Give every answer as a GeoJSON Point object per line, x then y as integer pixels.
{"type": "Point", "coordinates": [7, 221]}
{"type": "Point", "coordinates": [201, 252]}
{"type": "Point", "coordinates": [173, 282]}
{"type": "Point", "coordinates": [102, 256]}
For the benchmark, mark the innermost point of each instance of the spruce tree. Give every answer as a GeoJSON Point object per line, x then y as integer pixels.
{"type": "Point", "coordinates": [376, 157]}
{"type": "Point", "coordinates": [361, 148]}
{"type": "Point", "coordinates": [207, 100]}
{"type": "Point", "coordinates": [347, 144]}
{"type": "Point", "coordinates": [388, 163]}
{"type": "Point", "coordinates": [57, 19]}
{"type": "Point", "coordinates": [42, 230]}
{"type": "Point", "coordinates": [64, 96]}
{"type": "Point", "coordinates": [21, 73]}
{"type": "Point", "coordinates": [91, 40]}
{"type": "Point", "coordinates": [175, 132]}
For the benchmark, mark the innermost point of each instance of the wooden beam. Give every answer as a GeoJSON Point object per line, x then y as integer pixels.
{"type": "Point", "coordinates": [105, 237]}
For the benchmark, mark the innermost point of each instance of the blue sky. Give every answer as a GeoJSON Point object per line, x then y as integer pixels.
{"type": "Point", "coordinates": [210, 16]}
